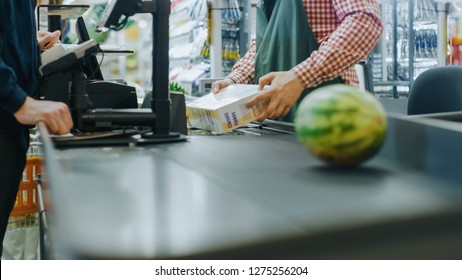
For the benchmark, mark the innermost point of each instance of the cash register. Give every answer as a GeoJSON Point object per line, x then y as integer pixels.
{"type": "Point", "coordinates": [102, 93]}
{"type": "Point", "coordinates": [66, 79]}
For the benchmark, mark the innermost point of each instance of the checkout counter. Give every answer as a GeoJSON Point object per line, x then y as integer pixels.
{"type": "Point", "coordinates": [252, 194]}
{"type": "Point", "coordinates": [257, 194]}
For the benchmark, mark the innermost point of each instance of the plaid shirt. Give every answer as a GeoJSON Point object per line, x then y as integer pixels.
{"type": "Point", "coordinates": [346, 31]}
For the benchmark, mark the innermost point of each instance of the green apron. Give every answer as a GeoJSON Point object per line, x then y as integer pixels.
{"type": "Point", "coordinates": [284, 39]}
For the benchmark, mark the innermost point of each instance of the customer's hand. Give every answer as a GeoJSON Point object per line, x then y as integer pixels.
{"type": "Point", "coordinates": [47, 39]}
{"type": "Point", "coordinates": [55, 115]}
{"type": "Point", "coordinates": [284, 91]}
{"type": "Point", "coordinates": [217, 86]}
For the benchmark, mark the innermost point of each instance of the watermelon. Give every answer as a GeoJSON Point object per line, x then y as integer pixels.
{"type": "Point", "coordinates": [341, 125]}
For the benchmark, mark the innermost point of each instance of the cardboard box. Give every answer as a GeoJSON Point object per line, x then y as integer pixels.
{"type": "Point", "coordinates": [226, 110]}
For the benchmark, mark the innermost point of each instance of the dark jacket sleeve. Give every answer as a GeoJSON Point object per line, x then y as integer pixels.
{"type": "Point", "coordinates": [11, 95]}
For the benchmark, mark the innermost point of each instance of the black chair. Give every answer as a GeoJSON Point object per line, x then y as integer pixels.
{"type": "Point", "coordinates": [364, 73]}
{"type": "Point", "coordinates": [436, 90]}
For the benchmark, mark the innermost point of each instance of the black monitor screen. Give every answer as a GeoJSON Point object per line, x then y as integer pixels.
{"type": "Point", "coordinates": [90, 65]}
{"type": "Point", "coordinates": [107, 13]}
{"type": "Point", "coordinates": [117, 12]}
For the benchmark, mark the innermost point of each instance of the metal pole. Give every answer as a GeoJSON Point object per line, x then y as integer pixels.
{"type": "Point", "coordinates": [160, 102]}
{"type": "Point", "coordinates": [216, 58]}
{"type": "Point", "coordinates": [442, 9]}
{"type": "Point", "coordinates": [395, 47]}
{"type": "Point", "coordinates": [244, 29]}
{"type": "Point", "coordinates": [411, 42]}
{"type": "Point", "coordinates": [384, 43]}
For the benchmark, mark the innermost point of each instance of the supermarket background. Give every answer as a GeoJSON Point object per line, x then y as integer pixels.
{"type": "Point", "coordinates": [418, 35]}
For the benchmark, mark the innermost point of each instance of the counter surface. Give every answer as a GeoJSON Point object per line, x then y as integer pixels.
{"type": "Point", "coordinates": [259, 195]}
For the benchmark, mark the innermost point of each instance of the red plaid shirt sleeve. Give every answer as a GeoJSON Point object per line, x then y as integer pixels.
{"type": "Point", "coordinates": [346, 31]}
{"type": "Point", "coordinates": [244, 70]}
{"type": "Point", "coordinates": [357, 32]}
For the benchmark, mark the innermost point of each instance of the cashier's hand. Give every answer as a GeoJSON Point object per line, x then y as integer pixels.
{"type": "Point", "coordinates": [217, 86]}
{"type": "Point", "coordinates": [55, 115]}
{"type": "Point", "coordinates": [284, 91]}
{"type": "Point", "coordinates": [47, 39]}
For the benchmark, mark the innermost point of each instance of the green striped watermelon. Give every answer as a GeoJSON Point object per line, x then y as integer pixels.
{"type": "Point", "coordinates": [341, 124]}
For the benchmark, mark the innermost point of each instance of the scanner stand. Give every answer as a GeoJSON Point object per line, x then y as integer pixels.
{"type": "Point", "coordinates": [160, 102]}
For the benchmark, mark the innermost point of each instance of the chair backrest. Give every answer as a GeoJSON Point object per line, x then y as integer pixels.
{"type": "Point", "coordinates": [436, 90]}
{"type": "Point", "coordinates": [364, 74]}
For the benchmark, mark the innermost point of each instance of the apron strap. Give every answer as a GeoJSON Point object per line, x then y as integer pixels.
{"type": "Point", "coordinates": [269, 7]}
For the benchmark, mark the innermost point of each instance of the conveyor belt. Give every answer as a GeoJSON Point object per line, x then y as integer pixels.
{"type": "Point", "coordinates": [260, 195]}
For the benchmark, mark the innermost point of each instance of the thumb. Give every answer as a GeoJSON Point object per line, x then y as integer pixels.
{"type": "Point", "coordinates": [48, 37]}
{"type": "Point", "coordinates": [42, 33]}
{"type": "Point", "coordinates": [53, 35]}
{"type": "Point", "coordinates": [219, 85]}
{"type": "Point", "coordinates": [265, 80]}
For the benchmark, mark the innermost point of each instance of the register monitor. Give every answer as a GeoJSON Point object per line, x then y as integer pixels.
{"type": "Point", "coordinates": [102, 94]}
{"type": "Point", "coordinates": [116, 14]}
{"type": "Point", "coordinates": [109, 94]}
{"type": "Point", "coordinates": [90, 65]}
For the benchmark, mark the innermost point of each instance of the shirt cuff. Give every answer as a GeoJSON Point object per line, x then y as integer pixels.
{"type": "Point", "coordinates": [236, 78]}
{"type": "Point", "coordinates": [306, 75]}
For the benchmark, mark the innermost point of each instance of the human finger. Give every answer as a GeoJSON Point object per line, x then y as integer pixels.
{"type": "Point", "coordinates": [278, 112]}
{"type": "Point", "coordinates": [62, 127]}
{"type": "Point", "coordinates": [266, 80]}
{"type": "Point", "coordinates": [49, 39]}
{"type": "Point", "coordinates": [51, 123]}
{"type": "Point", "coordinates": [42, 33]}
{"type": "Point", "coordinates": [217, 86]}
{"type": "Point", "coordinates": [56, 116]}
{"type": "Point", "coordinates": [53, 35]}
{"type": "Point", "coordinates": [264, 95]}
{"type": "Point", "coordinates": [65, 120]}
{"type": "Point", "coordinates": [68, 122]}
{"type": "Point", "coordinates": [263, 116]}
{"type": "Point", "coordinates": [286, 111]}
